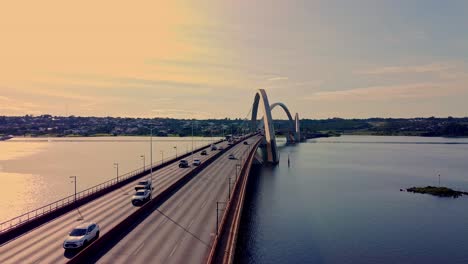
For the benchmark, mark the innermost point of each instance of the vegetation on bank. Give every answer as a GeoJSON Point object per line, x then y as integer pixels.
{"type": "Point", "coordinates": [59, 126]}
{"type": "Point", "coordinates": [437, 191]}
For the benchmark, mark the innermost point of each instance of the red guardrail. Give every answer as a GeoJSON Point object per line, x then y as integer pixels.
{"type": "Point", "coordinates": [225, 237]}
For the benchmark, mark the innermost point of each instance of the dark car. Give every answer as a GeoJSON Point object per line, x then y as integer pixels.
{"type": "Point", "coordinates": [183, 164]}
{"type": "Point", "coordinates": [246, 143]}
{"type": "Point", "coordinates": [204, 153]}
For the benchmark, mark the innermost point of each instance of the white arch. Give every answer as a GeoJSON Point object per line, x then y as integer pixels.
{"type": "Point", "coordinates": [272, 152]}
{"type": "Point", "coordinates": [298, 128]}
{"type": "Point", "coordinates": [292, 127]}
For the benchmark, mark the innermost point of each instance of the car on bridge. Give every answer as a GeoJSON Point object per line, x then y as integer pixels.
{"type": "Point", "coordinates": [141, 197]}
{"type": "Point", "coordinates": [81, 235]}
{"type": "Point", "coordinates": [246, 142]}
{"type": "Point", "coordinates": [220, 148]}
{"type": "Point", "coordinates": [231, 156]}
{"type": "Point", "coordinates": [183, 164]}
{"type": "Point", "coordinates": [196, 162]}
{"type": "Point", "coordinates": [145, 184]}
{"type": "Point", "coordinates": [213, 147]}
{"type": "Point", "coordinates": [204, 153]}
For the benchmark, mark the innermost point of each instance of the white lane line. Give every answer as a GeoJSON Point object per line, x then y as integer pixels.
{"type": "Point", "coordinates": [138, 249]}
{"type": "Point", "coordinates": [173, 250]}
{"type": "Point", "coordinates": [191, 222]}
{"type": "Point", "coordinates": [180, 203]}
{"type": "Point", "coordinates": [203, 205]}
{"type": "Point", "coordinates": [176, 246]}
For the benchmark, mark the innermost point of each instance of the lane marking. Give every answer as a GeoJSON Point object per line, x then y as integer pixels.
{"type": "Point", "coordinates": [138, 248]}
{"type": "Point", "coordinates": [173, 250]}
{"type": "Point", "coordinates": [191, 222]}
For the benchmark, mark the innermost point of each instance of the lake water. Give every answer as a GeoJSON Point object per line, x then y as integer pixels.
{"type": "Point", "coordinates": [340, 202]}
{"type": "Point", "coordinates": [35, 171]}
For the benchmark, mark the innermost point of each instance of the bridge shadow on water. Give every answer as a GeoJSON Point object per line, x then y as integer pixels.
{"type": "Point", "coordinates": [268, 233]}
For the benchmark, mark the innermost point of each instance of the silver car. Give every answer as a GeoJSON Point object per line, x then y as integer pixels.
{"type": "Point", "coordinates": [81, 235]}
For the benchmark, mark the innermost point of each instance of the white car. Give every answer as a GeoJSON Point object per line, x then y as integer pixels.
{"type": "Point", "coordinates": [81, 235]}
{"type": "Point", "coordinates": [141, 197]}
{"type": "Point", "coordinates": [196, 162]}
{"type": "Point", "coordinates": [145, 184]}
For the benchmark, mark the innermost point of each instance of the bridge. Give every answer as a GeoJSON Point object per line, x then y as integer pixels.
{"type": "Point", "coordinates": [194, 215]}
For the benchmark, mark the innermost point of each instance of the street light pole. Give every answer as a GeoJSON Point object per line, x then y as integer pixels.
{"type": "Point", "coordinates": [162, 156]}
{"type": "Point", "coordinates": [175, 147]}
{"type": "Point", "coordinates": [217, 214]}
{"type": "Point", "coordinates": [237, 170]}
{"type": "Point", "coordinates": [229, 195]}
{"type": "Point", "coordinates": [144, 166]}
{"type": "Point", "coordinates": [74, 180]}
{"type": "Point", "coordinates": [151, 150]}
{"type": "Point", "coordinates": [117, 167]}
{"type": "Point", "coordinates": [192, 141]}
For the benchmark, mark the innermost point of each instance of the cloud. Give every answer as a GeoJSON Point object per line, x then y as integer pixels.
{"type": "Point", "coordinates": [277, 78]}
{"type": "Point", "coordinates": [428, 68]}
{"type": "Point", "coordinates": [181, 113]}
{"type": "Point", "coordinates": [10, 106]}
{"type": "Point", "coordinates": [403, 91]}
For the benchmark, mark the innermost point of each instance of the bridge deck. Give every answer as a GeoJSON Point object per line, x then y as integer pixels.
{"type": "Point", "coordinates": [44, 244]}
{"type": "Point", "coordinates": [182, 229]}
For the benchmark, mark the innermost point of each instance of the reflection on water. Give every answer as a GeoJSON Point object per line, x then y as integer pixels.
{"type": "Point", "coordinates": [341, 203]}
{"type": "Point", "coordinates": [10, 150]}
{"type": "Point", "coordinates": [35, 171]}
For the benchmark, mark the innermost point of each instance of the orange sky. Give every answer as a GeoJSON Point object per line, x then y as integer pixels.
{"type": "Point", "coordinates": [206, 58]}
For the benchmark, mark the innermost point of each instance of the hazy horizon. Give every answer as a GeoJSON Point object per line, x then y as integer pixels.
{"type": "Point", "coordinates": [205, 59]}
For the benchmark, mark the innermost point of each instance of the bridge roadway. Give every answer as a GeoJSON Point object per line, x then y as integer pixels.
{"type": "Point", "coordinates": [183, 228]}
{"type": "Point", "coordinates": [44, 244]}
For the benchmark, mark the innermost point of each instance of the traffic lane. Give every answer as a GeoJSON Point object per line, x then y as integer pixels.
{"type": "Point", "coordinates": [46, 241]}
{"type": "Point", "coordinates": [202, 225]}
{"type": "Point", "coordinates": [152, 240]}
{"type": "Point", "coordinates": [132, 247]}
{"type": "Point", "coordinates": [39, 245]}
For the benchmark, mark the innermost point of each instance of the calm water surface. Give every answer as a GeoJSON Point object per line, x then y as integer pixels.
{"type": "Point", "coordinates": [340, 202]}
{"type": "Point", "coordinates": [35, 171]}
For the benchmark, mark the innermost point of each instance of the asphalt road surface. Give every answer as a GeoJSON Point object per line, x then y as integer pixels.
{"type": "Point", "coordinates": [182, 229]}
{"type": "Point", "coordinates": [44, 244]}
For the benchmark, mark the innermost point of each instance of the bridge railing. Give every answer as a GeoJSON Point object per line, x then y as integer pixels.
{"type": "Point", "coordinates": [12, 223]}
{"type": "Point", "coordinates": [224, 242]}
{"type": "Point", "coordinates": [38, 212]}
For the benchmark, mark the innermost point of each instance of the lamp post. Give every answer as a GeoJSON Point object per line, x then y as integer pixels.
{"type": "Point", "coordinates": [162, 156]}
{"type": "Point", "coordinates": [116, 165]}
{"type": "Point", "coordinates": [192, 139]}
{"type": "Point", "coordinates": [144, 165]}
{"type": "Point", "coordinates": [175, 147]}
{"type": "Point", "coordinates": [217, 214]}
{"type": "Point", "coordinates": [151, 150]}
{"type": "Point", "coordinates": [229, 184]}
{"type": "Point", "coordinates": [237, 170]}
{"type": "Point", "coordinates": [74, 180]}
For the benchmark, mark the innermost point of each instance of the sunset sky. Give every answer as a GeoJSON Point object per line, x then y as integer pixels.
{"type": "Point", "coordinates": [205, 59]}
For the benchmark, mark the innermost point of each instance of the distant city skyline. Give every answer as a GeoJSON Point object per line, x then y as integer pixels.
{"type": "Point", "coordinates": [205, 59]}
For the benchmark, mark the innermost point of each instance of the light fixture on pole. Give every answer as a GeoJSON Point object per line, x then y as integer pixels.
{"type": "Point", "coordinates": [143, 158]}
{"type": "Point", "coordinates": [116, 165]}
{"type": "Point", "coordinates": [74, 180]}
{"type": "Point", "coordinates": [151, 150]}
